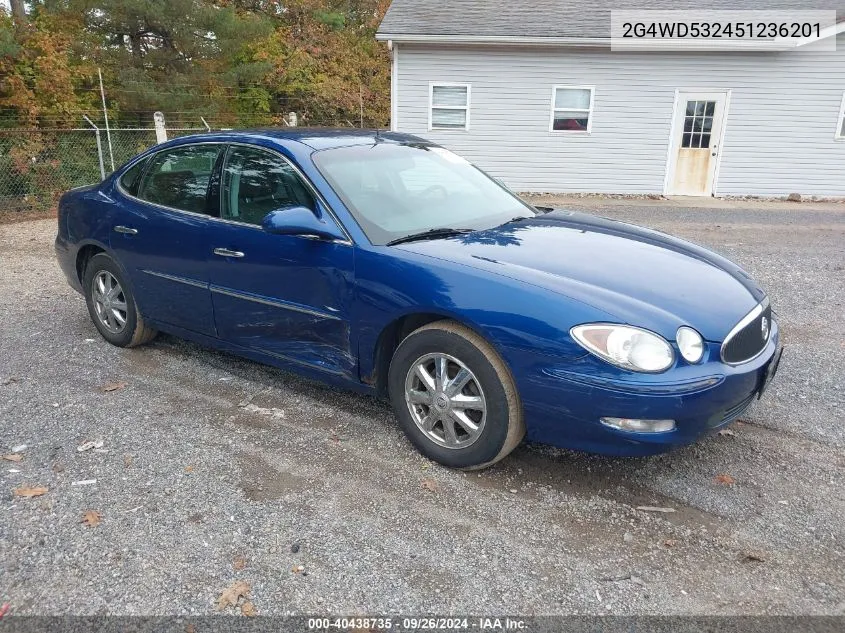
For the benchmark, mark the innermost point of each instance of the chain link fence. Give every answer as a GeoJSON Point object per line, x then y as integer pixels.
{"type": "Point", "coordinates": [38, 165]}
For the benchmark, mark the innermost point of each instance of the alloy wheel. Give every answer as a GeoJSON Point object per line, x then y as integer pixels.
{"type": "Point", "coordinates": [445, 400]}
{"type": "Point", "coordinates": [109, 301]}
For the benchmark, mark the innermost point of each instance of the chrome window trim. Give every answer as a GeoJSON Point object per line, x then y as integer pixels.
{"type": "Point", "coordinates": [348, 242]}
{"type": "Point", "coordinates": [276, 303]}
{"type": "Point", "coordinates": [748, 318]}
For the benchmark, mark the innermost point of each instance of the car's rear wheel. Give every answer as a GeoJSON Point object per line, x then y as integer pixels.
{"type": "Point", "coordinates": [454, 396]}
{"type": "Point", "coordinates": [111, 304]}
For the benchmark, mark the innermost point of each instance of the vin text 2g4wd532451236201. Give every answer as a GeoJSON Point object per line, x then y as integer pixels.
{"type": "Point", "coordinates": [387, 264]}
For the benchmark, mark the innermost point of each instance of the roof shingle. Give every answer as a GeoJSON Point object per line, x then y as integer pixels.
{"type": "Point", "coordinates": [551, 18]}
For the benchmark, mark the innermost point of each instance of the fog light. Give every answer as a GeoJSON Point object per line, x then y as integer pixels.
{"type": "Point", "coordinates": [639, 426]}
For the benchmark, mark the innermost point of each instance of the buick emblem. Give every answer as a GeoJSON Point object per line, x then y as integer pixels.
{"type": "Point", "coordinates": [764, 328]}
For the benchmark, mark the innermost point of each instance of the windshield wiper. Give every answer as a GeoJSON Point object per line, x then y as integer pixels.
{"type": "Point", "coordinates": [430, 234]}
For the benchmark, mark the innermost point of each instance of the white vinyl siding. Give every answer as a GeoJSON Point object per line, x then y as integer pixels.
{"type": "Point", "coordinates": [778, 133]}
{"type": "Point", "coordinates": [572, 109]}
{"type": "Point", "coordinates": [448, 106]}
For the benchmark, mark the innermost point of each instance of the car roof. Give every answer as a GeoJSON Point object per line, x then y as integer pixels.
{"type": "Point", "coordinates": [315, 138]}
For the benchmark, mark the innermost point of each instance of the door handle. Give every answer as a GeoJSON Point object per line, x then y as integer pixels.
{"type": "Point", "coordinates": [125, 229]}
{"type": "Point", "coordinates": [225, 252]}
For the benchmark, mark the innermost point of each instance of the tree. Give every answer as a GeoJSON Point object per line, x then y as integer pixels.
{"type": "Point", "coordinates": [326, 63]}
{"type": "Point", "coordinates": [172, 55]}
{"type": "Point", "coordinates": [18, 10]}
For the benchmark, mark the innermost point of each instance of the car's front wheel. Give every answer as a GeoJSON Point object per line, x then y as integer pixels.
{"type": "Point", "coordinates": [111, 304]}
{"type": "Point", "coordinates": [454, 396]}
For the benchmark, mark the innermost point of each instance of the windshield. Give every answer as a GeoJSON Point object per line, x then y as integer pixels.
{"type": "Point", "coordinates": [399, 190]}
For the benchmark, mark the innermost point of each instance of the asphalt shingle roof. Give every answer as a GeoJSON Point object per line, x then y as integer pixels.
{"type": "Point", "coordinates": [551, 18]}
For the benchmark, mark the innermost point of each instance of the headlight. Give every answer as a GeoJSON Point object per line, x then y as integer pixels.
{"type": "Point", "coordinates": [690, 343]}
{"type": "Point", "coordinates": [625, 346]}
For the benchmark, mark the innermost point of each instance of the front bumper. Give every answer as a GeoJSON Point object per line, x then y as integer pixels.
{"type": "Point", "coordinates": [563, 404]}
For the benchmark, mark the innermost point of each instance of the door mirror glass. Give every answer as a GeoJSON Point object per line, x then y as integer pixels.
{"type": "Point", "coordinates": [299, 220]}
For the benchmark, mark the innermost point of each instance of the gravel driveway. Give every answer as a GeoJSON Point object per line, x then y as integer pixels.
{"type": "Point", "coordinates": [215, 470]}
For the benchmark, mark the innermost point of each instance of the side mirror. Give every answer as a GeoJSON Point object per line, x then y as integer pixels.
{"type": "Point", "coordinates": [301, 221]}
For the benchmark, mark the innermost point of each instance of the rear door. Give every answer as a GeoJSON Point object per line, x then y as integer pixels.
{"type": "Point", "coordinates": [161, 235]}
{"type": "Point", "coordinates": [286, 295]}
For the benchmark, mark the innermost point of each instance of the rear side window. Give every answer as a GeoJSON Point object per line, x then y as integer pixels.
{"type": "Point", "coordinates": [131, 178]}
{"type": "Point", "coordinates": [178, 178]}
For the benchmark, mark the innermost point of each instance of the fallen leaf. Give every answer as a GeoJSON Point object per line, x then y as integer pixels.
{"type": "Point", "coordinates": [113, 386]}
{"type": "Point", "coordinates": [127, 461]}
{"type": "Point", "coordinates": [92, 518]}
{"type": "Point", "coordinates": [58, 467]}
{"type": "Point", "coordinates": [239, 563]}
{"type": "Point", "coordinates": [248, 609]}
{"type": "Point", "coordinates": [725, 480]}
{"type": "Point", "coordinates": [189, 469]}
{"type": "Point", "coordinates": [27, 491]}
{"type": "Point", "coordinates": [10, 380]}
{"type": "Point", "coordinates": [231, 595]}
{"type": "Point", "coordinates": [13, 457]}
{"type": "Point", "coordinates": [430, 485]}
{"type": "Point", "coordinates": [727, 432]}
{"type": "Point", "coordinates": [190, 628]}
{"type": "Point", "coordinates": [87, 446]}
{"type": "Point", "coordinates": [670, 542]}
{"type": "Point", "coordinates": [654, 509]}
{"type": "Point", "coordinates": [754, 557]}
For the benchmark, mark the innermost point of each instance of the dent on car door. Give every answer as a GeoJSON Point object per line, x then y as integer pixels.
{"type": "Point", "coordinates": [286, 295]}
{"type": "Point", "coordinates": [160, 235]}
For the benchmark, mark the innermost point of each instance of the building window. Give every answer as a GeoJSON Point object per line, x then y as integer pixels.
{"type": "Point", "coordinates": [840, 124]}
{"type": "Point", "coordinates": [448, 107]}
{"type": "Point", "coordinates": [572, 108]}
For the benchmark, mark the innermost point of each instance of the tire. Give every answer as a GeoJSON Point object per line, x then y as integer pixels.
{"type": "Point", "coordinates": [488, 400]}
{"type": "Point", "coordinates": [117, 320]}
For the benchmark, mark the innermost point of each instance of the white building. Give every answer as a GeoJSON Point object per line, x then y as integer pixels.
{"type": "Point", "coordinates": [532, 92]}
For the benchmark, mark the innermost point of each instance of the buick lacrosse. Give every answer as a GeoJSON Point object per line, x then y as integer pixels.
{"type": "Point", "coordinates": [390, 265]}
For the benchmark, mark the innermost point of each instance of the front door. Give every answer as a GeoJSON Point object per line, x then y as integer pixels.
{"type": "Point", "coordinates": [161, 232]}
{"type": "Point", "coordinates": [285, 295]}
{"type": "Point", "coordinates": [696, 143]}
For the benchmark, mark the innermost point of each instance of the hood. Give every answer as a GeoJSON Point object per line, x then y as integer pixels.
{"type": "Point", "coordinates": [641, 277]}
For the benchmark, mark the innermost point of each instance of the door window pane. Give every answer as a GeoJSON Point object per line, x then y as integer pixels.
{"type": "Point", "coordinates": [178, 178]}
{"type": "Point", "coordinates": [698, 119]}
{"type": "Point", "coordinates": [256, 182]}
{"type": "Point", "coordinates": [129, 180]}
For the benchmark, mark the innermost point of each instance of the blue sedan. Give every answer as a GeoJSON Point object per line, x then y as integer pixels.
{"type": "Point", "coordinates": [384, 263]}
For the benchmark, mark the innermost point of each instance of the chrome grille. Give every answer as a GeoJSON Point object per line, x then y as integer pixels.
{"type": "Point", "coordinates": [747, 339]}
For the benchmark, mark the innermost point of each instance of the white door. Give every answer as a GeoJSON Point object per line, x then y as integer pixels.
{"type": "Point", "coordinates": [695, 146]}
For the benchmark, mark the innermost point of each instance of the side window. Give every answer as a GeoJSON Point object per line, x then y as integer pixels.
{"type": "Point", "coordinates": [256, 182]}
{"type": "Point", "coordinates": [129, 180]}
{"type": "Point", "coordinates": [179, 177]}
